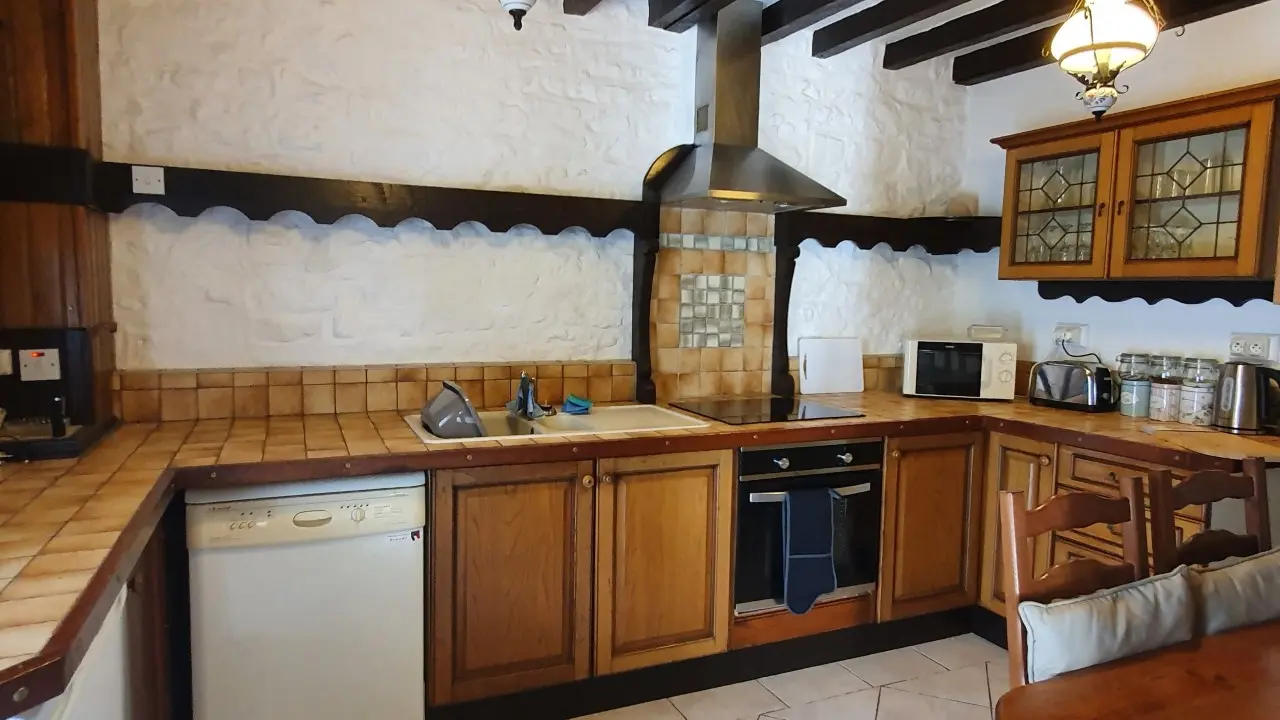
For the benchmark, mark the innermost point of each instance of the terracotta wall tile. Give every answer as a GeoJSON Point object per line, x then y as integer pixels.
{"type": "Point", "coordinates": [440, 373]}
{"type": "Point", "coordinates": [411, 395]}
{"type": "Point", "coordinates": [550, 371]}
{"type": "Point", "coordinates": [350, 398]}
{"type": "Point", "coordinates": [380, 396]}
{"type": "Point", "coordinates": [249, 378]}
{"type": "Point", "coordinates": [284, 376]}
{"type": "Point", "coordinates": [473, 389]}
{"type": "Point", "coordinates": [469, 372]}
{"type": "Point", "coordinates": [497, 372]}
{"type": "Point", "coordinates": [214, 402]}
{"type": "Point", "coordinates": [140, 380]}
{"type": "Point", "coordinates": [669, 220]}
{"type": "Point", "coordinates": [624, 368]}
{"type": "Point", "coordinates": [285, 399]}
{"type": "Point", "coordinates": [171, 379]}
{"type": "Point", "coordinates": [550, 390]}
{"type": "Point", "coordinates": [690, 360]}
{"type": "Point", "coordinates": [710, 360]}
{"type": "Point", "coordinates": [689, 385]}
{"type": "Point", "coordinates": [214, 379]}
{"type": "Point", "coordinates": [666, 335]}
{"type": "Point", "coordinates": [318, 399]}
{"type": "Point", "coordinates": [179, 404]}
{"type": "Point", "coordinates": [250, 402]}
{"type": "Point", "coordinates": [713, 262]}
{"type": "Point", "coordinates": [140, 405]}
{"type": "Point", "coordinates": [666, 361]}
{"type": "Point", "coordinates": [735, 224]}
{"type": "Point", "coordinates": [496, 393]}
{"type": "Point", "coordinates": [577, 370]}
{"type": "Point", "coordinates": [317, 376]}
{"type": "Point", "coordinates": [693, 222]}
{"type": "Point", "coordinates": [576, 386]}
{"type": "Point", "coordinates": [733, 383]}
{"type": "Point", "coordinates": [711, 384]}
{"type": "Point", "coordinates": [344, 376]}
{"type": "Point", "coordinates": [758, 225]}
{"type": "Point", "coordinates": [600, 389]}
{"type": "Point", "coordinates": [735, 263]}
{"type": "Point", "coordinates": [411, 373]}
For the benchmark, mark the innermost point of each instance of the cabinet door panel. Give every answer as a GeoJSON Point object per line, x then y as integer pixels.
{"type": "Point", "coordinates": [932, 526]}
{"type": "Point", "coordinates": [1014, 464]}
{"type": "Point", "coordinates": [663, 553]}
{"type": "Point", "coordinates": [1056, 216]}
{"type": "Point", "coordinates": [512, 563]}
{"type": "Point", "coordinates": [1190, 197]}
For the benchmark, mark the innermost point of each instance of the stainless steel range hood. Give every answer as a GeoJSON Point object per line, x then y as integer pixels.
{"type": "Point", "coordinates": [725, 169]}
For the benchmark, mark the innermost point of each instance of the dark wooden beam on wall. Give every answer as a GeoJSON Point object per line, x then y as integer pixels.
{"type": "Point", "coordinates": [580, 7]}
{"type": "Point", "coordinates": [875, 22]}
{"type": "Point", "coordinates": [1003, 18]}
{"type": "Point", "coordinates": [1030, 51]}
{"type": "Point", "coordinates": [787, 17]}
{"type": "Point", "coordinates": [680, 15]}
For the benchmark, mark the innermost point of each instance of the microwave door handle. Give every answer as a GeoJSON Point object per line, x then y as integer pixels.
{"type": "Point", "coordinates": [777, 497]}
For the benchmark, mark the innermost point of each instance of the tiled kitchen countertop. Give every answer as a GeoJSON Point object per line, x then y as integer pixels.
{"type": "Point", "coordinates": [59, 519]}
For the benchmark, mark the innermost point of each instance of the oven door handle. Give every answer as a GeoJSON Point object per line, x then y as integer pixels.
{"type": "Point", "coordinates": [777, 497]}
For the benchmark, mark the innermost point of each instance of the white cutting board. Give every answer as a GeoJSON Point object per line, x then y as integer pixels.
{"type": "Point", "coordinates": [830, 365]}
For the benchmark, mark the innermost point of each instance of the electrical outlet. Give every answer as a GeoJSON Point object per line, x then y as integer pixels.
{"type": "Point", "coordinates": [148, 180]}
{"type": "Point", "coordinates": [1072, 334]}
{"type": "Point", "coordinates": [1255, 347]}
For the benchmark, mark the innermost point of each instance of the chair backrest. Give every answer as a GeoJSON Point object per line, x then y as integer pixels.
{"type": "Point", "coordinates": [1065, 511]}
{"type": "Point", "coordinates": [1203, 488]}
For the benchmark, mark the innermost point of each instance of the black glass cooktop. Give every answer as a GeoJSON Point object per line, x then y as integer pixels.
{"type": "Point", "coordinates": [749, 410]}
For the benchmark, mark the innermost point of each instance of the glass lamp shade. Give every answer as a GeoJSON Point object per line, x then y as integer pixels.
{"type": "Point", "coordinates": [1105, 34]}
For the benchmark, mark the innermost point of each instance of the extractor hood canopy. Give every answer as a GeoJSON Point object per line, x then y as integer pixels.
{"type": "Point", "coordinates": [725, 169]}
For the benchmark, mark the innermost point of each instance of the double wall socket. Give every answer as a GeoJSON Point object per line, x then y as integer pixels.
{"type": "Point", "coordinates": [1071, 334]}
{"type": "Point", "coordinates": [1255, 347]}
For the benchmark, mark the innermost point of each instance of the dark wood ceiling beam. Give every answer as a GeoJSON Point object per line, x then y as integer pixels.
{"type": "Point", "coordinates": [680, 15]}
{"type": "Point", "coordinates": [1030, 51]}
{"type": "Point", "coordinates": [580, 7]}
{"type": "Point", "coordinates": [1003, 18]}
{"type": "Point", "coordinates": [787, 17]}
{"type": "Point", "coordinates": [875, 22]}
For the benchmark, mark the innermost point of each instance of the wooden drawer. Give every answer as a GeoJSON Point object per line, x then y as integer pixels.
{"type": "Point", "coordinates": [1100, 473]}
{"type": "Point", "coordinates": [1066, 547]}
{"type": "Point", "coordinates": [1106, 539]}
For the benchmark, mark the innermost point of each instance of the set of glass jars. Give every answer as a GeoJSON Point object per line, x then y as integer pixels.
{"type": "Point", "coordinates": [1199, 379]}
{"type": "Point", "coordinates": [1166, 388]}
{"type": "Point", "coordinates": [1135, 384]}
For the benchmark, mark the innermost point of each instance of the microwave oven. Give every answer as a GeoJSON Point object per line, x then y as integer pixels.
{"type": "Point", "coordinates": [959, 369]}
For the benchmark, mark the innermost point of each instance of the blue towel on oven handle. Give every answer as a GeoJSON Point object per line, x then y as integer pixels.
{"type": "Point", "coordinates": [809, 568]}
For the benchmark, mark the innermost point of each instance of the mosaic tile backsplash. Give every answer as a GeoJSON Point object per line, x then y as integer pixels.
{"type": "Point", "coordinates": [713, 311]}
{"type": "Point", "coordinates": [684, 241]}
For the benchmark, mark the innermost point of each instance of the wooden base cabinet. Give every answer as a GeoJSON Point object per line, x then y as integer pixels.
{"type": "Point", "coordinates": [932, 529]}
{"type": "Point", "coordinates": [510, 579]}
{"type": "Point", "coordinates": [1014, 464]}
{"type": "Point", "coordinates": [663, 534]}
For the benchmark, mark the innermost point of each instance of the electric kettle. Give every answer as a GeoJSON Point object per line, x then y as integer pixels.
{"type": "Point", "coordinates": [1247, 400]}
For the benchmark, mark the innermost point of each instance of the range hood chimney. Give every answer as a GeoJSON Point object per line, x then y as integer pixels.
{"type": "Point", "coordinates": [725, 169]}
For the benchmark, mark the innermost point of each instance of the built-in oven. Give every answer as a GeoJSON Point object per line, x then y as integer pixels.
{"type": "Point", "coordinates": [852, 469]}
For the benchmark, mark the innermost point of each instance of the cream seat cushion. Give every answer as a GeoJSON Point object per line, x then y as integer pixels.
{"type": "Point", "coordinates": [1107, 625]}
{"type": "Point", "coordinates": [1238, 592]}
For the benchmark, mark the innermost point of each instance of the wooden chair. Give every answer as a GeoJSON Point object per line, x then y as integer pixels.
{"type": "Point", "coordinates": [1203, 488]}
{"type": "Point", "coordinates": [1065, 511]}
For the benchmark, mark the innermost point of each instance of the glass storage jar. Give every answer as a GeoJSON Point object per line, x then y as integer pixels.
{"type": "Point", "coordinates": [1166, 387]}
{"type": "Point", "coordinates": [1135, 384]}
{"type": "Point", "coordinates": [1199, 378]}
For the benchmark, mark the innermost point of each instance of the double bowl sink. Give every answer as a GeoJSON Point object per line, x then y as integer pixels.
{"type": "Point", "coordinates": [500, 424]}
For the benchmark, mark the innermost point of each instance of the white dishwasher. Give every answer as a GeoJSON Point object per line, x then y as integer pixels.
{"type": "Point", "coordinates": [307, 600]}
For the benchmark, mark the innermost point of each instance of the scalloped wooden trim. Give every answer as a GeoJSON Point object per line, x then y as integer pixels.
{"type": "Point", "coordinates": [1189, 292]}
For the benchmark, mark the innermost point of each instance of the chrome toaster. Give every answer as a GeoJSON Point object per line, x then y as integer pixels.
{"type": "Point", "coordinates": [1073, 385]}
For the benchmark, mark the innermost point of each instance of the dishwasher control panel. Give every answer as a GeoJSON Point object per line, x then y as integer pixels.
{"type": "Point", "coordinates": [305, 519]}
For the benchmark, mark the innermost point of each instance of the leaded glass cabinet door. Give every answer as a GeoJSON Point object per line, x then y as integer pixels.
{"type": "Point", "coordinates": [1190, 195]}
{"type": "Point", "coordinates": [1056, 218]}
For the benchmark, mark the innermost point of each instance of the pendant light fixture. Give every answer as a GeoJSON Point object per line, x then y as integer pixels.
{"type": "Point", "coordinates": [1102, 38]}
{"type": "Point", "coordinates": [518, 9]}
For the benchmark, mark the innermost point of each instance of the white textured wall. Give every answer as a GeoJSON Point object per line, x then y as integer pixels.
{"type": "Point", "coordinates": [222, 291]}
{"type": "Point", "coordinates": [1228, 51]}
{"type": "Point", "coordinates": [444, 92]}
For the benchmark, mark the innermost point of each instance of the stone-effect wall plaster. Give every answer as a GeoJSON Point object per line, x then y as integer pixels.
{"type": "Point", "coordinates": [223, 291]}
{"type": "Point", "coordinates": [444, 92]}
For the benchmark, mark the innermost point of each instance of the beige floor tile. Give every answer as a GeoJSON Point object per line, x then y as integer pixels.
{"type": "Point", "coordinates": [731, 702]}
{"type": "Point", "coordinates": [892, 666]}
{"type": "Point", "coordinates": [860, 705]}
{"type": "Point", "coordinates": [997, 680]}
{"type": "Point", "coordinates": [899, 705]}
{"type": "Point", "coordinates": [656, 710]}
{"type": "Point", "coordinates": [46, 586]}
{"type": "Point", "coordinates": [967, 685]}
{"type": "Point", "coordinates": [26, 639]}
{"type": "Point", "coordinates": [962, 651]}
{"type": "Point", "coordinates": [813, 684]}
{"type": "Point", "coordinates": [33, 611]}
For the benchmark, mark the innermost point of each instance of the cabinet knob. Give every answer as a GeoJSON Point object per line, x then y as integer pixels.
{"type": "Point", "coordinates": [606, 479]}
{"type": "Point", "coordinates": [896, 453]}
{"type": "Point", "coordinates": [1112, 477]}
{"type": "Point", "coordinates": [588, 482]}
{"type": "Point", "coordinates": [782, 463]}
{"type": "Point", "coordinates": [1044, 461]}
{"type": "Point", "coordinates": [847, 458]}
{"type": "Point", "coordinates": [1102, 208]}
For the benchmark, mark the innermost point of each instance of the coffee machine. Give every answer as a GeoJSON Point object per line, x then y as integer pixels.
{"type": "Point", "coordinates": [1247, 399]}
{"type": "Point", "coordinates": [47, 393]}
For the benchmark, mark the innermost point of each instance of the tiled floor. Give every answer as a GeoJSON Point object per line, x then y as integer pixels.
{"type": "Point", "coordinates": [959, 678]}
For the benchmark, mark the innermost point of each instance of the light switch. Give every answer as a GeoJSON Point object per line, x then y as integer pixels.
{"type": "Point", "coordinates": [148, 180]}
{"type": "Point", "coordinates": [6, 362]}
{"type": "Point", "coordinates": [39, 365]}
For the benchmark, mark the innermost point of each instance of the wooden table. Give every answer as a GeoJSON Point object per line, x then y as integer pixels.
{"type": "Point", "coordinates": [1234, 676]}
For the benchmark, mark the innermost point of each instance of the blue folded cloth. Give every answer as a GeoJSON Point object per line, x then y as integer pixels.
{"type": "Point", "coordinates": [574, 405]}
{"type": "Point", "coordinates": [809, 564]}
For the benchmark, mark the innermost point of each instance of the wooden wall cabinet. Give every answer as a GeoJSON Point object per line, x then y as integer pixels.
{"type": "Point", "coordinates": [150, 629]}
{"type": "Point", "coordinates": [663, 553]}
{"type": "Point", "coordinates": [1177, 191]}
{"type": "Point", "coordinates": [1014, 464]}
{"type": "Point", "coordinates": [521, 554]}
{"type": "Point", "coordinates": [932, 524]}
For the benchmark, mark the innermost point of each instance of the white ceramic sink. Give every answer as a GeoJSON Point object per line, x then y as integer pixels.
{"type": "Point", "coordinates": [498, 424]}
